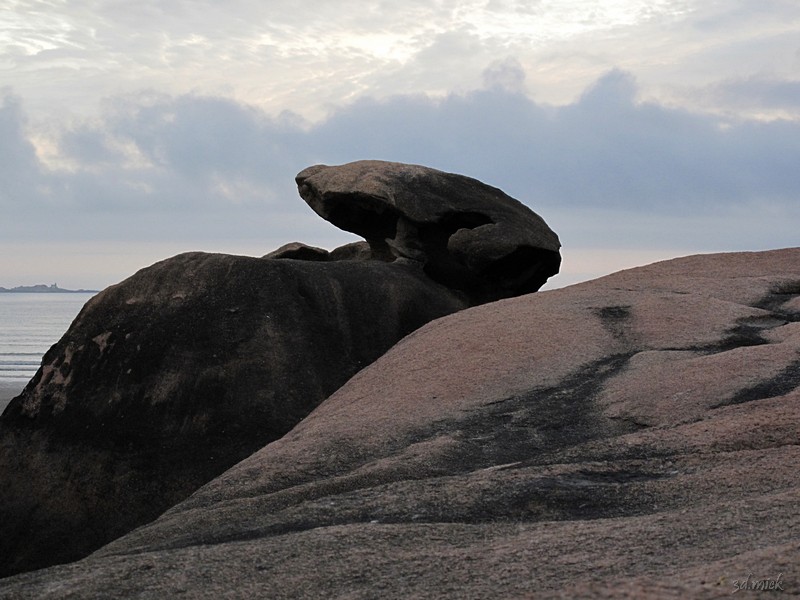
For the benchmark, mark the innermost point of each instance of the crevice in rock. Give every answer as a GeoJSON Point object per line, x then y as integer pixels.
{"type": "Point", "coordinates": [453, 221]}
{"type": "Point", "coordinates": [783, 383]}
{"type": "Point", "coordinates": [779, 295]}
{"type": "Point", "coordinates": [747, 332]}
{"type": "Point", "coordinates": [740, 336]}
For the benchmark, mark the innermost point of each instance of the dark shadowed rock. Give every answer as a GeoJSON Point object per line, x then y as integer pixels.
{"type": "Point", "coordinates": [189, 366]}
{"type": "Point", "coordinates": [167, 379]}
{"type": "Point", "coordinates": [300, 251]}
{"type": "Point", "coordinates": [469, 236]}
{"type": "Point", "coordinates": [634, 436]}
{"type": "Point", "coordinates": [352, 251]}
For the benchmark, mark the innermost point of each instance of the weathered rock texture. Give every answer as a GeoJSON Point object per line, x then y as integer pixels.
{"type": "Point", "coordinates": [170, 377]}
{"type": "Point", "coordinates": [189, 366]}
{"type": "Point", "coordinates": [468, 235]}
{"type": "Point", "coordinates": [635, 436]}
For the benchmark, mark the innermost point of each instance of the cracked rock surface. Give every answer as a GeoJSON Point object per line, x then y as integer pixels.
{"type": "Point", "coordinates": [633, 436]}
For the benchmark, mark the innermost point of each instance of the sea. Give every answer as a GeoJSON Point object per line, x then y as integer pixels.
{"type": "Point", "coordinates": [30, 324]}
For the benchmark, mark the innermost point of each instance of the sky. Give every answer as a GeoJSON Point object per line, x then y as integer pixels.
{"type": "Point", "coordinates": [640, 130]}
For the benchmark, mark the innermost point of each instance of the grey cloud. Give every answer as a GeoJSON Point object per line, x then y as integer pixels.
{"type": "Point", "coordinates": [195, 136]}
{"type": "Point", "coordinates": [604, 150]}
{"type": "Point", "coordinates": [614, 91]}
{"type": "Point", "coordinates": [507, 74]}
{"type": "Point", "coordinates": [211, 166]}
{"type": "Point", "coordinates": [19, 165]}
{"type": "Point", "coordinates": [89, 146]}
{"type": "Point", "coordinates": [758, 92]}
{"type": "Point", "coordinates": [202, 168]}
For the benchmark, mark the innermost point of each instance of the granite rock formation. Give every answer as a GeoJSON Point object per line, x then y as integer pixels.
{"type": "Point", "coordinates": [466, 235]}
{"type": "Point", "coordinates": [170, 377]}
{"type": "Point", "coordinates": [634, 436]}
{"type": "Point", "coordinates": [179, 372]}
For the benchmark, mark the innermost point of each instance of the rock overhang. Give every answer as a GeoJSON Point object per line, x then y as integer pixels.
{"type": "Point", "coordinates": [467, 234]}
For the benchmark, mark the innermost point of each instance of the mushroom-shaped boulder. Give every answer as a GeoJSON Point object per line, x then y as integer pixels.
{"type": "Point", "coordinates": [467, 235]}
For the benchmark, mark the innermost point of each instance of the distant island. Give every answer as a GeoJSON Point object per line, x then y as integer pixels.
{"type": "Point", "coordinates": [43, 289]}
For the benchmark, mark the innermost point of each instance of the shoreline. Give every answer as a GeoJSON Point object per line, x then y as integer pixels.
{"type": "Point", "coordinates": [8, 391]}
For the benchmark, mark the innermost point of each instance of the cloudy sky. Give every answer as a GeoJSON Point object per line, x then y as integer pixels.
{"type": "Point", "coordinates": [639, 129]}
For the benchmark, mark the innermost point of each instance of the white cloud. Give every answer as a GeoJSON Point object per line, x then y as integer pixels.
{"type": "Point", "coordinates": [310, 56]}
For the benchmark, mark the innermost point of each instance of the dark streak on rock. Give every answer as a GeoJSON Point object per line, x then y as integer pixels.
{"type": "Point", "coordinates": [783, 383]}
{"type": "Point", "coordinates": [777, 297]}
{"type": "Point", "coordinates": [615, 319]}
{"type": "Point", "coordinates": [532, 426]}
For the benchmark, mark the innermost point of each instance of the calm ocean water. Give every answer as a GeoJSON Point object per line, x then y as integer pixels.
{"type": "Point", "coordinates": [29, 325]}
